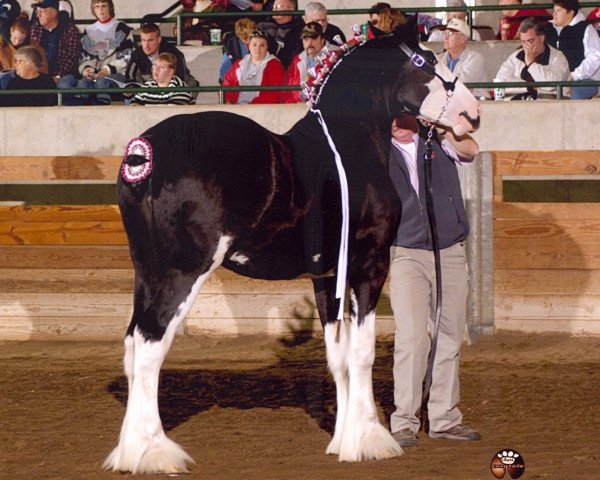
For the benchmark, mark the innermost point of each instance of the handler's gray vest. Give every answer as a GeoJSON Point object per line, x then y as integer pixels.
{"type": "Point", "coordinates": [450, 215]}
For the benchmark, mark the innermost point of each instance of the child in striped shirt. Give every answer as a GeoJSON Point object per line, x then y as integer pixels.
{"type": "Point", "coordinates": [163, 75]}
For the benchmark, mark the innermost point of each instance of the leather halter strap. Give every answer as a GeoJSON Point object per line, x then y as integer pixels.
{"type": "Point", "coordinates": [420, 62]}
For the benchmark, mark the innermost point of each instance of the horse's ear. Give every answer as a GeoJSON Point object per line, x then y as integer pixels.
{"type": "Point", "coordinates": [408, 32]}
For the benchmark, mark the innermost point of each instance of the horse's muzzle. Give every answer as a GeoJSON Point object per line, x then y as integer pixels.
{"type": "Point", "coordinates": [474, 122]}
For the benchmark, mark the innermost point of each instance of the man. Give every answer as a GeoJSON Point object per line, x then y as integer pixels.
{"type": "Point", "coordinates": [437, 35]}
{"type": "Point", "coordinates": [412, 282]}
{"type": "Point", "coordinates": [27, 76]}
{"type": "Point", "coordinates": [139, 68]}
{"type": "Point", "coordinates": [59, 37]}
{"type": "Point", "coordinates": [317, 12]}
{"type": "Point", "coordinates": [285, 29]}
{"type": "Point", "coordinates": [570, 33]}
{"type": "Point", "coordinates": [466, 63]}
{"type": "Point", "coordinates": [313, 42]}
{"type": "Point", "coordinates": [535, 61]}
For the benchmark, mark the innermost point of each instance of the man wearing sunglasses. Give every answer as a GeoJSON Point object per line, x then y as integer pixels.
{"type": "Point", "coordinates": [535, 61]}
{"type": "Point", "coordinates": [285, 29]}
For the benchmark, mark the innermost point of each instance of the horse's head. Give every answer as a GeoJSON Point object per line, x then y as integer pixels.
{"type": "Point", "coordinates": [392, 74]}
{"type": "Point", "coordinates": [427, 88]}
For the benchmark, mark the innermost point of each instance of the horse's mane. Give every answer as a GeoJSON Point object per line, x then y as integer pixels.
{"type": "Point", "coordinates": [328, 60]}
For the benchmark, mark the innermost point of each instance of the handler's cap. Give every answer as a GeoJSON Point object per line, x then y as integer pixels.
{"type": "Point", "coordinates": [47, 4]}
{"type": "Point", "coordinates": [458, 25]}
{"type": "Point", "coordinates": [312, 30]}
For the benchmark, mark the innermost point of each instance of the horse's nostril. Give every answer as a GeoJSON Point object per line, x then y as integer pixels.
{"type": "Point", "coordinates": [474, 122]}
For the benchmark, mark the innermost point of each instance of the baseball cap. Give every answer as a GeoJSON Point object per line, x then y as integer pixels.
{"type": "Point", "coordinates": [47, 4]}
{"type": "Point", "coordinates": [459, 25]}
{"type": "Point", "coordinates": [312, 30]}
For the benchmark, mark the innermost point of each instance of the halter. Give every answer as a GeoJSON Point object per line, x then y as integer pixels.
{"type": "Point", "coordinates": [419, 61]}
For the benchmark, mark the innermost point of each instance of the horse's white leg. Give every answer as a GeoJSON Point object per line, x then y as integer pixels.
{"type": "Point", "coordinates": [336, 343]}
{"type": "Point", "coordinates": [364, 437]}
{"type": "Point", "coordinates": [143, 446]}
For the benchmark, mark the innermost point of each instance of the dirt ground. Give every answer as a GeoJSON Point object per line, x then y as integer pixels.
{"type": "Point", "coordinates": [256, 407]}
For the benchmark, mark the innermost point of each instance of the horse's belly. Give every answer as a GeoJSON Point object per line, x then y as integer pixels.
{"type": "Point", "coordinates": [285, 259]}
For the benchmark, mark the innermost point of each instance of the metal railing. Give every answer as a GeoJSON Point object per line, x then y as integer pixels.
{"type": "Point", "coordinates": [220, 90]}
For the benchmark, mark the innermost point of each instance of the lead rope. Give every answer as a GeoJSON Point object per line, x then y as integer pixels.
{"type": "Point", "coordinates": [436, 252]}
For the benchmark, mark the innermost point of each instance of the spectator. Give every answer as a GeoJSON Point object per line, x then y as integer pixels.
{"type": "Point", "coordinates": [107, 47]}
{"type": "Point", "coordinates": [313, 42]}
{"type": "Point", "coordinates": [437, 34]}
{"type": "Point", "coordinates": [389, 19]}
{"type": "Point", "coordinates": [20, 32]}
{"type": "Point", "coordinates": [139, 68]}
{"type": "Point", "coordinates": [384, 19]}
{"type": "Point", "coordinates": [163, 75]}
{"type": "Point", "coordinates": [412, 282]}
{"type": "Point", "coordinates": [535, 61]}
{"type": "Point", "coordinates": [376, 10]}
{"type": "Point", "coordinates": [594, 18]}
{"type": "Point", "coordinates": [9, 12]}
{"type": "Point", "coordinates": [317, 12]}
{"type": "Point", "coordinates": [285, 29]}
{"type": "Point", "coordinates": [373, 28]}
{"type": "Point", "coordinates": [577, 39]}
{"type": "Point", "coordinates": [259, 67]}
{"type": "Point", "coordinates": [509, 23]}
{"type": "Point", "coordinates": [28, 62]}
{"type": "Point", "coordinates": [59, 37]}
{"type": "Point", "coordinates": [466, 63]}
{"type": "Point", "coordinates": [235, 44]}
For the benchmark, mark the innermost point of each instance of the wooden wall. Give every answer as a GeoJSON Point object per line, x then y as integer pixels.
{"type": "Point", "coordinates": [546, 255]}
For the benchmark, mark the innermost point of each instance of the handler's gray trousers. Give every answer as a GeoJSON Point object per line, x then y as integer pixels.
{"type": "Point", "coordinates": [413, 295]}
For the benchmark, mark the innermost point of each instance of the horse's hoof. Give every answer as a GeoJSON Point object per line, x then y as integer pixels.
{"type": "Point", "coordinates": [376, 444]}
{"type": "Point", "coordinates": [163, 456]}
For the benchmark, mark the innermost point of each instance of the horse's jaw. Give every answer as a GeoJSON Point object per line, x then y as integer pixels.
{"type": "Point", "coordinates": [458, 110]}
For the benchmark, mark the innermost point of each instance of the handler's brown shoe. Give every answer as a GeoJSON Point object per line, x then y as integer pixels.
{"type": "Point", "coordinates": [458, 432]}
{"type": "Point", "coordinates": [405, 437]}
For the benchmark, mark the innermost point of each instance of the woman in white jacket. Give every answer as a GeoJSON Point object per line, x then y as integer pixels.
{"type": "Point", "coordinates": [570, 33]}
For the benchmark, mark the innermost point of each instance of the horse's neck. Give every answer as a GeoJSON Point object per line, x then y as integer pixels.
{"type": "Point", "coordinates": [358, 137]}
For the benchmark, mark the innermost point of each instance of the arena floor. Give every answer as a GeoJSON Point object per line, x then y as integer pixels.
{"type": "Point", "coordinates": [255, 407]}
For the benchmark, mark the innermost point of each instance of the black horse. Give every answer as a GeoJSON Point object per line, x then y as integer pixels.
{"type": "Point", "coordinates": [209, 189]}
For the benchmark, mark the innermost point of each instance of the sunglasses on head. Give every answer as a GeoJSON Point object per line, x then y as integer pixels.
{"type": "Point", "coordinates": [258, 33]}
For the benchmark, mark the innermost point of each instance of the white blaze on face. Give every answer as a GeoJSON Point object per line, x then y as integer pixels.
{"type": "Point", "coordinates": [462, 105]}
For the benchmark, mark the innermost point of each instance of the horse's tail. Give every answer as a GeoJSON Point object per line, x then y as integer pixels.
{"type": "Point", "coordinates": [138, 161]}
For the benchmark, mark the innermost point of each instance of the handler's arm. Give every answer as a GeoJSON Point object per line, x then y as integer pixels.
{"type": "Point", "coordinates": [465, 146]}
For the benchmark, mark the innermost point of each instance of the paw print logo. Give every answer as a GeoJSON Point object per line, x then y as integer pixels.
{"type": "Point", "coordinates": [507, 460]}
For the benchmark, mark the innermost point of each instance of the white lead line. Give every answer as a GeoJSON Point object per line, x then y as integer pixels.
{"type": "Point", "coordinates": [342, 268]}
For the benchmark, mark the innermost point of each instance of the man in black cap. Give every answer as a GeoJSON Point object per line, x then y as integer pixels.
{"type": "Point", "coordinates": [58, 36]}
{"type": "Point", "coordinates": [313, 42]}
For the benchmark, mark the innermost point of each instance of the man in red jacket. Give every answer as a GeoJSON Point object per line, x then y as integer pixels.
{"type": "Point", "coordinates": [313, 42]}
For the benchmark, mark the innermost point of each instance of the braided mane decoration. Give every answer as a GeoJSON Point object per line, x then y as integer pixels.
{"type": "Point", "coordinates": [327, 61]}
